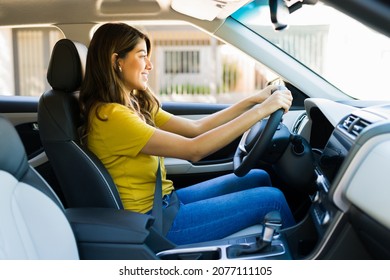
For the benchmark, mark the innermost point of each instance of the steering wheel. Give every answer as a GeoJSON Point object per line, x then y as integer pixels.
{"type": "Point", "coordinates": [254, 143]}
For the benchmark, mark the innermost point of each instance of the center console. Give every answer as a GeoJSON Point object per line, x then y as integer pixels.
{"type": "Point", "coordinates": [227, 249]}
{"type": "Point", "coordinates": [268, 244]}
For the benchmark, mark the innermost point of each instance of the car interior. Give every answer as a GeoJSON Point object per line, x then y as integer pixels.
{"type": "Point", "coordinates": [328, 154]}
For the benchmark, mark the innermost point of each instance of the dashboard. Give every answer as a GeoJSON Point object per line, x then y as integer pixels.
{"type": "Point", "coordinates": [351, 147]}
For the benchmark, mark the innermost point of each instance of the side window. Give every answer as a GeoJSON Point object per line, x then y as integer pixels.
{"type": "Point", "coordinates": [189, 64]}
{"type": "Point", "coordinates": [24, 59]}
{"type": "Point", "coordinates": [192, 66]}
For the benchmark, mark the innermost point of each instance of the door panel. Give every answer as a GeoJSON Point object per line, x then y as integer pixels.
{"type": "Point", "coordinates": [21, 111]}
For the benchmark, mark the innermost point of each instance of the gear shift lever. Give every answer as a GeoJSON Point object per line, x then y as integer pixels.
{"type": "Point", "coordinates": [271, 224]}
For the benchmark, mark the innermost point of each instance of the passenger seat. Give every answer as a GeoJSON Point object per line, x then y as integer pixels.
{"type": "Point", "coordinates": [32, 220]}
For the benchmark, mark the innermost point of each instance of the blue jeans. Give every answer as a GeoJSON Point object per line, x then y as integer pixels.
{"type": "Point", "coordinates": [222, 206]}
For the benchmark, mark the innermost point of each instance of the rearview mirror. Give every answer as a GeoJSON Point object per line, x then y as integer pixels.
{"type": "Point", "coordinates": [281, 9]}
{"type": "Point", "coordinates": [279, 14]}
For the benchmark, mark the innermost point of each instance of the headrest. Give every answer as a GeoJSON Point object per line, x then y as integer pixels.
{"type": "Point", "coordinates": [13, 157]}
{"type": "Point", "coordinates": [67, 65]}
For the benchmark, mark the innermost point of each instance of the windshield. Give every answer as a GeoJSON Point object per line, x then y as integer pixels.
{"type": "Point", "coordinates": [351, 56]}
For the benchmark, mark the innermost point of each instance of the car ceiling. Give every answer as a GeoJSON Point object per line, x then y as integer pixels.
{"type": "Point", "coordinates": [61, 12]}
{"type": "Point", "coordinates": [75, 11]}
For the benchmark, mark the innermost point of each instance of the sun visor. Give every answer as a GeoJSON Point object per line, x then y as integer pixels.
{"type": "Point", "coordinates": [207, 9]}
{"type": "Point", "coordinates": [116, 7]}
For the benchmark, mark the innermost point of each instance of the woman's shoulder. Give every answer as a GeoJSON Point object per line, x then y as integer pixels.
{"type": "Point", "coordinates": [113, 108]}
{"type": "Point", "coordinates": [111, 111]}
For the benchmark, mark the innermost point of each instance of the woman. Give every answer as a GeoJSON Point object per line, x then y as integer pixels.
{"type": "Point", "coordinates": [129, 131]}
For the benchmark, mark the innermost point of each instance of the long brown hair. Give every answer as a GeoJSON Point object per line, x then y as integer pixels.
{"type": "Point", "coordinates": [103, 83]}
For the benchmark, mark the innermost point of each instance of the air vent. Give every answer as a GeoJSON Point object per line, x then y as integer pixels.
{"type": "Point", "coordinates": [354, 125]}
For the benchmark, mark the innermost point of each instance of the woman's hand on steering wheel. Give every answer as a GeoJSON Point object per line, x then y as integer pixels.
{"type": "Point", "coordinates": [280, 98]}
{"type": "Point", "coordinates": [264, 94]}
{"type": "Point", "coordinates": [247, 153]}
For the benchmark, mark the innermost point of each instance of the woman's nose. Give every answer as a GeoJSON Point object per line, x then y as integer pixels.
{"type": "Point", "coordinates": [149, 64]}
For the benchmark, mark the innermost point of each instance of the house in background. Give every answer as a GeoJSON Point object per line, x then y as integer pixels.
{"type": "Point", "coordinates": [191, 64]}
{"type": "Point", "coordinates": [24, 58]}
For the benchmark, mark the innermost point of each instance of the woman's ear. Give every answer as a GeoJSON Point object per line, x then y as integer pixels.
{"type": "Point", "coordinates": [114, 61]}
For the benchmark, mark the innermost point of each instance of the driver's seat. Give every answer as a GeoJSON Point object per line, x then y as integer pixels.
{"type": "Point", "coordinates": [83, 179]}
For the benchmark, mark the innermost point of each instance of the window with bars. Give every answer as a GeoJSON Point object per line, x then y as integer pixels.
{"type": "Point", "coordinates": [182, 62]}
{"type": "Point", "coordinates": [28, 50]}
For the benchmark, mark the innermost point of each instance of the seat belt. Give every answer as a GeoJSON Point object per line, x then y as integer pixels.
{"type": "Point", "coordinates": [157, 211]}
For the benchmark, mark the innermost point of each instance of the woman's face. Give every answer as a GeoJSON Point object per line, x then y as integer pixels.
{"type": "Point", "coordinates": [136, 67]}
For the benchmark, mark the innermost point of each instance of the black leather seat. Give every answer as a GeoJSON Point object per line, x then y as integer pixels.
{"type": "Point", "coordinates": [83, 179]}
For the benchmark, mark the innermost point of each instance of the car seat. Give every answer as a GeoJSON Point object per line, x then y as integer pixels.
{"type": "Point", "coordinates": [32, 219]}
{"type": "Point", "coordinates": [83, 179]}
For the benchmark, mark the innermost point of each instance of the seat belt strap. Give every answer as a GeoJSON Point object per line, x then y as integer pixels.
{"type": "Point", "coordinates": [157, 201]}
